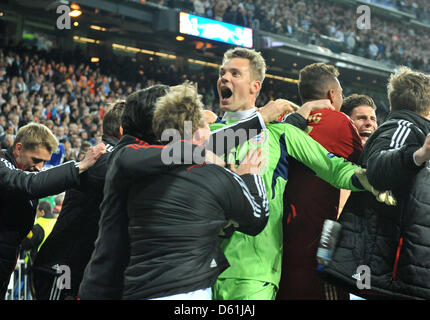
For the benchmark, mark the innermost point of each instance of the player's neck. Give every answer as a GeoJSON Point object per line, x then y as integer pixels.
{"type": "Point", "coordinates": [238, 115]}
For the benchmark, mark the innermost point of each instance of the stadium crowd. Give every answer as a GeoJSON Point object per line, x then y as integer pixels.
{"type": "Point", "coordinates": [70, 98]}
{"type": "Point", "coordinates": [70, 95]}
{"type": "Point", "coordinates": [329, 24]}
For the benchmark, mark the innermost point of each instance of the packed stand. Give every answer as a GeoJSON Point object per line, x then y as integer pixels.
{"type": "Point", "coordinates": [70, 96]}
{"type": "Point", "coordinates": [328, 24]}
{"type": "Point", "coordinates": [419, 8]}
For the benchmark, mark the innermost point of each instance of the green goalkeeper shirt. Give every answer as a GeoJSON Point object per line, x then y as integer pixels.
{"type": "Point", "coordinates": [260, 257]}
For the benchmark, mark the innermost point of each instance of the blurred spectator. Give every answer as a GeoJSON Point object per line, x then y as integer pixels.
{"type": "Point", "coordinates": [59, 198]}
{"type": "Point", "coordinates": [7, 141]}
{"type": "Point", "coordinates": [220, 9]}
{"type": "Point", "coordinates": [199, 8]}
{"type": "Point", "coordinates": [57, 157]}
{"type": "Point", "coordinates": [45, 221]}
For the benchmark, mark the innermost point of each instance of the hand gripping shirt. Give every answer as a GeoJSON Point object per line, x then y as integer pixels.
{"type": "Point", "coordinates": [259, 257]}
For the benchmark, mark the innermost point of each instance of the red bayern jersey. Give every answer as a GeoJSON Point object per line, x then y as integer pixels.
{"type": "Point", "coordinates": [336, 132]}
{"type": "Point", "coordinates": [308, 201]}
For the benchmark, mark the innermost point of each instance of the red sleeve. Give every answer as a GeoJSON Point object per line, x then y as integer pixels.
{"type": "Point", "coordinates": [336, 132]}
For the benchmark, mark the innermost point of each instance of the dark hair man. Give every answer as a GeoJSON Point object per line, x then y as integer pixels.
{"type": "Point", "coordinates": [308, 199]}
{"type": "Point", "coordinates": [362, 111]}
{"type": "Point", "coordinates": [21, 190]}
{"type": "Point", "coordinates": [72, 239]}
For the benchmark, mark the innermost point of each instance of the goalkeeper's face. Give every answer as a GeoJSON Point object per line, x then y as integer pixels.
{"type": "Point", "coordinates": [236, 89]}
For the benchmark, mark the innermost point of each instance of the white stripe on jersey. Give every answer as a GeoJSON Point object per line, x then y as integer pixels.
{"type": "Point", "coordinates": [260, 187]}
{"type": "Point", "coordinates": [401, 133]}
{"type": "Point", "coordinates": [235, 123]}
{"type": "Point", "coordinates": [262, 191]}
{"type": "Point", "coordinates": [7, 163]}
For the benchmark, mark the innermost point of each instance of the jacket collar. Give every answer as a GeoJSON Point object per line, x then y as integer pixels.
{"type": "Point", "coordinates": [7, 154]}
{"type": "Point", "coordinates": [127, 139]}
{"type": "Point", "coordinates": [422, 123]}
{"type": "Point", "coordinates": [179, 152]}
{"type": "Point", "coordinates": [110, 140]}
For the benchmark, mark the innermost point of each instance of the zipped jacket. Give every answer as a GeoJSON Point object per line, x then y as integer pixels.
{"type": "Point", "coordinates": [392, 243]}
{"type": "Point", "coordinates": [19, 194]}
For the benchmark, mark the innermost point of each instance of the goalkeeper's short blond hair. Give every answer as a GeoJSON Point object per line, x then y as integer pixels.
{"type": "Point", "coordinates": [257, 63]}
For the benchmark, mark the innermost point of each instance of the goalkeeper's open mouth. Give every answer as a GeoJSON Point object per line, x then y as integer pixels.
{"type": "Point", "coordinates": [225, 95]}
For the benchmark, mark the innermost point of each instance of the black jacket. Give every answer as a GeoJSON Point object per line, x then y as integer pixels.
{"type": "Point", "coordinates": [104, 274]}
{"type": "Point", "coordinates": [394, 242]}
{"type": "Point", "coordinates": [174, 222]}
{"type": "Point", "coordinates": [19, 194]}
{"type": "Point", "coordinates": [71, 242]}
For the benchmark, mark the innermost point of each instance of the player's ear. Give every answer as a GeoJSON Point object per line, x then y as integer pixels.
{"type": "Point", "coordinates": [255, 86]}
{"type": "Point", "coordinates": [331, 95]}
{"type": "Point", "coordinates": [19, 147]}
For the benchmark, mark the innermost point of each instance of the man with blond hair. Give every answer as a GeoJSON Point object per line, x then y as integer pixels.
{"type": "Point", "coordinates": [392, 242]}
{"type": "Point", "coordinates": [22, 183]}
{"type": "Point", "coordinates": [104, 274]}
{"type": "Point", "coordinates": [175, 219]}
{"type": "Point", "coordinates": [255, 261]}
{"type": "Point", "coordinates": [80, 214]}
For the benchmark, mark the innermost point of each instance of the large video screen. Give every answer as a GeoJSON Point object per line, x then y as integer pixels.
{"type": "Point", "coordinates": [215, 30]}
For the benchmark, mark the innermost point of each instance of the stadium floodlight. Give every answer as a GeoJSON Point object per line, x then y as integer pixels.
{"type": "Point", "coordinates": [94, 27]}
{"type": "Point", "coordinates": [215, 30]}
{"type": "Point", "coordinates": [75, 13]}
{"type": "Point", "coordinates": [76, 10]}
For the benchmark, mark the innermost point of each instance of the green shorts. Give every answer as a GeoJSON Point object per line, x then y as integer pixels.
{"type": "Point", "coordinates": [241, 289]}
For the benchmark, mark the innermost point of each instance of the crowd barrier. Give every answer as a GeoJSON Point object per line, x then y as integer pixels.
{"type": "Point", "coordinates": [19, 285]}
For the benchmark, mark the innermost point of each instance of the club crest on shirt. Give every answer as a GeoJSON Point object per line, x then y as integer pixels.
{"type": "Point", "coordinates": [257, 140]}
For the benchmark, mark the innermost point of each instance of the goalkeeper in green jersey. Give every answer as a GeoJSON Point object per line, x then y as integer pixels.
{"type": "Point", "coordinates": [255, 261]}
